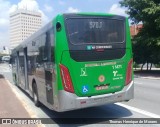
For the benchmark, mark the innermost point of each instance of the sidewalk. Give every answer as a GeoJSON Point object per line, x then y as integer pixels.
{"type": "Point", "coordinates": [10, 105]}
{"type": "Point", "coordinates": [151, 74]}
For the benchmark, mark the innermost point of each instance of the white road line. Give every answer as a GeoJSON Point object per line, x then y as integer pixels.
{"type": "Point", "coordinates": [146, 113]}
{"type": "Point", "coordinates": [138, 83]}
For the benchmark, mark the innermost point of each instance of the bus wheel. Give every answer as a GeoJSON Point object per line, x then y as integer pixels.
{"type": "Point", "coordinates": [15, 80]}
{"type": "Point", "coordinates": [35, 95]}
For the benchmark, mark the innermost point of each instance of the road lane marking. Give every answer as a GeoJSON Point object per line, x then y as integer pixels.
{"type": "Point", "coordinates": [28, 108]}
{"type": "Point", "coordinates": [146, 113]}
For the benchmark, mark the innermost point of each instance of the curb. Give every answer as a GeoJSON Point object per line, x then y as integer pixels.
{"type": "Point", "coordinates": [148, 77]}
{"type": "Point", "coordinates": [27, 108]}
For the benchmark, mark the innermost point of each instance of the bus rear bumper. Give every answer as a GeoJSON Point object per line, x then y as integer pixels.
{"type": "Point", "coordinates": [69, 101]}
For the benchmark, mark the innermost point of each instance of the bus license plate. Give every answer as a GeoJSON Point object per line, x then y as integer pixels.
{"type": "Point", "coordinates": [102, 87]}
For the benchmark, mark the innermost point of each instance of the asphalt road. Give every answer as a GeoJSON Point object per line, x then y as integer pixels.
{"type": "Point", "coordinates": [147, 95]}
{"type": "Point", "coordinates": [146, 104]}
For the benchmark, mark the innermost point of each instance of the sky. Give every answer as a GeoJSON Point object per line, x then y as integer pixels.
{"type": "Point", "coordinates": [50, 8]}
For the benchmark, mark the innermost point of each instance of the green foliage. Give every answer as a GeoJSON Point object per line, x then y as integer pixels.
{"type": "Point", "coordinates": [146, 48]}
{"type": "Point", "coordinates": [157, 65]}
{"type": "Point", "coordinates": [135, 65]}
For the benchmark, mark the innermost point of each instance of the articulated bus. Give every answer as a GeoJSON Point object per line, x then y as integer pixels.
{"type": "Point", "coordinates": [76, 61]}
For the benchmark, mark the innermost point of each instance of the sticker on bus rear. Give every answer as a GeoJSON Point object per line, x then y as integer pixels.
{"type": "Point", "coordinates": [89, 47]}
{"type": "Point", "coordinates": [83, 72]}
{"type": "Point", "coordinates": [85, 89]}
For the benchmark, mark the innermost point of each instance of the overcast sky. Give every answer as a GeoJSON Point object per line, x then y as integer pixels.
{"type": "Point", "coordinates": [49, 8]}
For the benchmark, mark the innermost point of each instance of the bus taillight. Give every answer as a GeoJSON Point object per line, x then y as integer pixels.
{"type": "Point", "coordinates": [66, 79]}
{"type": "Point", "coordinates": [129, 72]}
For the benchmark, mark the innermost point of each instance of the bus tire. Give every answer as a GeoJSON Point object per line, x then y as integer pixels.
{"type": "Point", "coordinates": [15, 80]}
{"type": "Point", "coordinates": [35, 95]}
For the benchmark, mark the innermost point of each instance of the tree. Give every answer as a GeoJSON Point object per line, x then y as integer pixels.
{"type": "Point", "coordinates": [147, 43]}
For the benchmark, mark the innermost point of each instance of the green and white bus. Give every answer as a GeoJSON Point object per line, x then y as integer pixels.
{"type": "Point", "coordinates": [76, 61]}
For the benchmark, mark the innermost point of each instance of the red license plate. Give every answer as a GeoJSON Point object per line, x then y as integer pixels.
{"type": "Point", "coordinates": [102, 87]}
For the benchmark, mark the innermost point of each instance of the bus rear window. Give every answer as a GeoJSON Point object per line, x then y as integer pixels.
{"type": "Point", "coordinates": [95, 30]}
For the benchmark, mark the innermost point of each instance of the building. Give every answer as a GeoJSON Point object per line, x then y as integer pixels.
{"type": "Point", "coordinates": [23, 23]}
{"type": "Point", "coordinates": [134, 29]}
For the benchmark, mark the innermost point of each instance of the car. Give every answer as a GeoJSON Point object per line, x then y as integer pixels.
{"type": "Point", "coordinates": [5, 58]}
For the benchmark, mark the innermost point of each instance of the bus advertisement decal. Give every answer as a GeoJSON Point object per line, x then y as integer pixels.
{"type": "Point", "coordinates": [116, 75]}
{"type": "Point", "coordinates": [100, 64]}
{"type": "Point", "coordinates": [116, 72]}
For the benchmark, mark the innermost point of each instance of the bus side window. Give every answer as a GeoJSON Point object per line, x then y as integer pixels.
{"type": "Point", "coordinates": [39, 51]}
{"type": "Point", "coordinates": [12, 59]}
{"type": "Point", "coordinates": [43, 48]}
{"type": "Point", "coordinates": [52, 45]}
{"type": "Point", "coordinates": [49, 46]}
{"type": "Point", "coordinates": [46, 47]}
